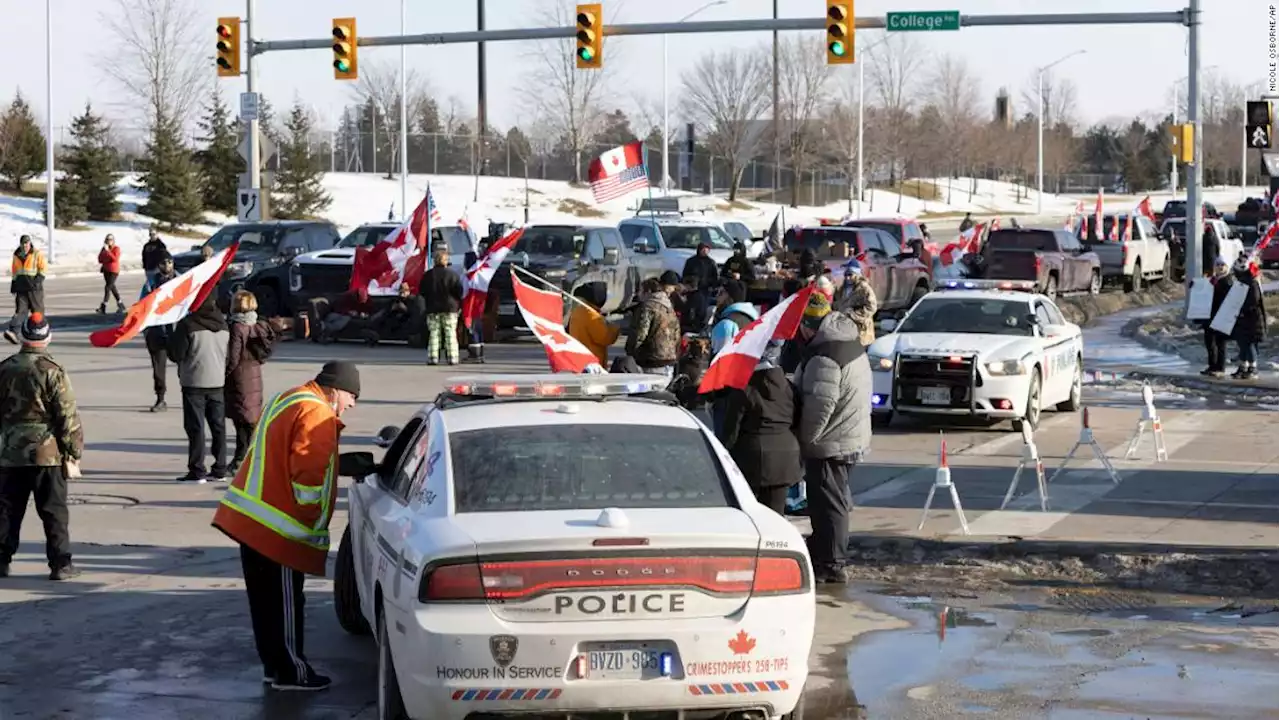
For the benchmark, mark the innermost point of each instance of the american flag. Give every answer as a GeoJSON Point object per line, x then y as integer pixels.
{"type": "Point", "coordinates": [432, 211]}
{"type": "Point", "coordinates": [618, 172]}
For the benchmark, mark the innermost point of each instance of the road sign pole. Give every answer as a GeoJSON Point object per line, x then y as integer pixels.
{"type": "Point", "coordinates": [1195, 173]}
{"type": "Point", "coordinates": [255, 151]}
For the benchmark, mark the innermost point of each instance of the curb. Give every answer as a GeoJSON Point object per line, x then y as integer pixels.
{"type": "Point", "coordinates": [1016, 547]}
{"type": "Point", "coordinates": [1199, 382]}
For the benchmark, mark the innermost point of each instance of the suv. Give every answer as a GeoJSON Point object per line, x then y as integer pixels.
{"type": "Point", "coordinates": [261, 264]}
{"type": "Point", "coordinates": [676, 240]}
{"type": "Point", "coordinates": [328, 273]}
{"type": "Point", "coordinates": [568, 256]}
{"type": "Point", "coordinates": [898, 278]}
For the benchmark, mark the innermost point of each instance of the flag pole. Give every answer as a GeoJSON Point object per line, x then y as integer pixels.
{"type": "Point", "coordinates": [653, 217]}
{"type": "Point", "coordinates": [552, 286]}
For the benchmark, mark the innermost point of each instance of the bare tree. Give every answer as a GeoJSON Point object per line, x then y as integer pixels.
{"type": "Point", "coordinates": [840, 135]}
{"type": "Point", "coordinates": [893, 71]}
{"type": "Point", "coordinates": [379, 88]}
{"type": "Point", "coordinates": [802, 81]}
{"type": "Point", "coordinates": [164, 67]}
{"type": "Point", "coordinates": [953, 92]}
{"type": "Point", "coordinates": [570, 100]}
{"type": "Point", "coordinates": [1060, 99]}
{"type": "Point", "coordinates": [724, 94]}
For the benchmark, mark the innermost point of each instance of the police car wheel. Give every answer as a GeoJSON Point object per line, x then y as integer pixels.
{"type": "Point", "coordinates": [346, 592]}
{"type": "Point", "coordinates": [1072, 403]}
{"type": "Point", "coordinates": [1031, 418]}
{"type": "Point", "coordinates": [390, 702]}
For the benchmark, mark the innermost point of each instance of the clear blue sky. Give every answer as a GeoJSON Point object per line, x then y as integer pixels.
{"type": "Point", "coordinates": [1126, 70]}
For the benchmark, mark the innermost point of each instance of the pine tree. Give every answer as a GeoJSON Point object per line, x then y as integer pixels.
{"type": "Point", "coordinates": [171, 177]}
{"type": "Point", "coordinates": [70, 203]}
{"type": "Point", "coordinates": [90, 164]}
{"type": "Point", "coordinates": [220, 162]}
{"type": "Point", "coordinates": [298, 182]}
{"type": "Point", "coordinates": [21, 144]}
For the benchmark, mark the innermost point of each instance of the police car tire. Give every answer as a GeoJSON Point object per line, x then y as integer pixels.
{"type": "Point", "coordinates": [1031, 418]}
{"type": "Point", "coordinates": [1072, 403]}
{"type": "Point", "coordinates": [346, 592]}
{"type": "Point", "coordinates": [390, 701]}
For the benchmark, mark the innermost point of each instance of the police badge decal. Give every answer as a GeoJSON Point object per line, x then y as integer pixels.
{"type": "Point", "coordinates": [503, 649]}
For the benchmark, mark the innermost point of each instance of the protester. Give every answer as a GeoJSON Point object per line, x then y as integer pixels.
{"type": "Point", "coordinates": [588, 326]}
{"type": "Point", "coordinates": [810, 267]}
{"type": "Point", "coordinates": [858, 301]}
{"type": "Point", "coordinates": [1251, 323]}
{"type": "Point", "coordinates": [402, 319]}
{"type": "Point", "coordinates": [153, 250]}
{"type": "Point", "coordinates": [442, 291]}
{"type": "Point", "coordinates": [290, 483]}
{"type": "Point", "coordinates": [1210, 249]}
{"type": "Point", "coordinates": [41, 443]}
{"type": "Point", "coordinates": [834, 429]}
{"type": "Point", "coordinates": [198, 345]}
{"type": "Point", "coordinates": [348, 313]}
{"type": "Point", "coordinates": [109, 259]}
{"type": "Point", "coordinates": [738, 266]}
{"type": "Point", "coordinates": [758, 432]}
{"type": "Point", "coordinates": [26, 282]}
{"type": "Point", "coordinates": [792, 350]}
{"type": "Point", "coordinates": [967, 222]}
{"type": "Point", "coordinates": [700, 275]}
{"type": "Point", "coordinates": [654, 340]}
{"type": "Point", "coordinates": [156, 337]}
{"type": "Point", "coordinates": [733, 313]}
{"type": "Point", "coordinates": [1215, 343]}
{"type": "Point", "coordinates": [248, 347]}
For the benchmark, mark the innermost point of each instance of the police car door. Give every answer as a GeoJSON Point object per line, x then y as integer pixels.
{"type": "Point", "coordinates": [1059, 353]}
{"type": "Point", "coordinates": [391, 516]}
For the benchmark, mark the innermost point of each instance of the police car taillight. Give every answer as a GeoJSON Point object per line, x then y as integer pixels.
{"type": "Point", "coordinates": [517, 580]}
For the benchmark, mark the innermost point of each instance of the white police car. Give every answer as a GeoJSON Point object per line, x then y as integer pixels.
{"type": "Point", "coordinates": [985, 348]}
{"type": "Point", "coordinates": [561, 544]}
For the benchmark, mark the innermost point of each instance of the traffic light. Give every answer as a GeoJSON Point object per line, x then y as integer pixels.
{"type": "Point", "coordinates": [346, 65]}
{"type": "Point", "coordinates": [1257, 124]}
{"type": "Point", "coordinates": [839, 32]}
{"type": "Point", "coordinates": [590, 35]}
{"type": "Point", "coordinates": [1182, 141]}
{"type": "Point", "coordinates": [229, 47]}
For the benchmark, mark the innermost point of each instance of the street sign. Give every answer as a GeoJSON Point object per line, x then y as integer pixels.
{"type": "Point", "coordinates": [922, 20]}
{"type": "Point", "coordinates": [248, 205]}
{"type": "Point", "coordinates": [266, 148]}
{"type": "Point", "coordinates": [248, 106]}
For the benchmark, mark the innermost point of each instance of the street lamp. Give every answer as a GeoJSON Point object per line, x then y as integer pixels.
{"type": "Point", "coordinates": [1040, 128]}
{"type": "Point", "coordinates": [665, 109]}
{"type": "Point", "coordinates": [857, 49]}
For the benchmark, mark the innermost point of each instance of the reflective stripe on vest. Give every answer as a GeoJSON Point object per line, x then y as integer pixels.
{"type": "Point", "coordinates": [28, 266]}
{"type": "Point", "coordinates": [249, 501]}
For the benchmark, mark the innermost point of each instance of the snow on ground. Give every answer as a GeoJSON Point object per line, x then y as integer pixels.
{"type": "Point", "coordinates": [361, 198]}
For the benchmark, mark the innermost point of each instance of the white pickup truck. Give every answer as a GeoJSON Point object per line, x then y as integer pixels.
{"type": "Point", "coordinates": [1133, 262]}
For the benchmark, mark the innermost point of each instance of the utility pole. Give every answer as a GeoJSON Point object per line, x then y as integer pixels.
{"type": "Point", "coordinates": [1195, 172]}
{"type": "Point", "coordinates": [482, 123]}
{"type": "Point", "coordinates": [777, 125]}
{"type": "Point", "coordinates": [48, 144]}
{"type": "Point", "coordinates": [255, 148]}
{"type": "Point", "coordinates": [404, 120]}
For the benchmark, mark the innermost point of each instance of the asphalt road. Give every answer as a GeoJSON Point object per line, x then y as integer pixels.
{"type": "Point", "coordinates": [157, 626]}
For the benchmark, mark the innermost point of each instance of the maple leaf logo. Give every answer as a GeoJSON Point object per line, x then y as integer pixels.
{"type": "Point", "coordinates": [551, 334]}
{"type": "Point", "coordinates": [746, 329]}
{"type": "Point", "coordinates": [175, 298]}
{"type": "Point", "coordinates": [742, 643]}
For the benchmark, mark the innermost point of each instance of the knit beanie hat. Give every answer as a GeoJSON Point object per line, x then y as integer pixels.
{"type": "Point", "coordinates": [36, 329]}
{"type": "Point", "coordinates": [340, 375]}
{"type": "Point", "coordinates": [1242, 263]}
{"type": "Point", "coordinates": [818, 308]}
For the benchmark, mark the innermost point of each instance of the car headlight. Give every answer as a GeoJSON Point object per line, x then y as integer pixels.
{"type": "Point", "coordinates": [1006, 367]}
{"type": "Point", "coordinates": [239, 269]}
{"type": "Point", "coordinates": [881, 363]}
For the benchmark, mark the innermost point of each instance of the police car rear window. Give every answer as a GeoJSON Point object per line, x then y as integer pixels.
{"type": "Point", "coordinates": [576, 467]}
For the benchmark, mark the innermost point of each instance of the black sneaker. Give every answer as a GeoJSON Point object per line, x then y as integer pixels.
{"type": "Point", "coordinates": [160, 406]}
{"type": "Point", "coordinates": [216, 476]}
{"type": "Point", "coordinates": [1249, 374]}
{"type": "Point", "coordinates": [313, 682]}
{"type": "Point", "coordinates": [66, 572]}
{"type": "Point", "coordinates": [191, 478]}
{"type": "Point", "coordinates": [1207, 372]}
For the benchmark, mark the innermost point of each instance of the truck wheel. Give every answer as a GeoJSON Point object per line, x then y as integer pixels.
{"type": "Point", "coordinates": [1051, 287]}
{"type": "Point", "coordinates": [1031, 417]}
{"type": "Point", "coordinates": [920, 291]}
{"type": "Point", "coordinates": [268, 300]}
{"type": "Point", "coordinates": [1133, 283]}
{"type": "Point", "coordinates": [346, 593]}
{"type": "Point", "coordinates": [1095, 282]}
{"type": "Point", "coordinates": [1166, 272]}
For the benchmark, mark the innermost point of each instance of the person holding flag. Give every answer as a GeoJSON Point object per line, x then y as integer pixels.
{"type": "Point", "coordinates": [757, 430]}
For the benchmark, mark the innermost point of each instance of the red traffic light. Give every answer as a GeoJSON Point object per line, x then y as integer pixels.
{"type": "Point", "coordinates": [224, 31]}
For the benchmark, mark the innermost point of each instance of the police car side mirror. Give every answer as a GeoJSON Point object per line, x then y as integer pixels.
{"type": "Point", "coordinates": [356, 464]}
{"type": "Point", "coordinates": [888, 325]}
{"type": "Point", "coordinates": [386, 436]}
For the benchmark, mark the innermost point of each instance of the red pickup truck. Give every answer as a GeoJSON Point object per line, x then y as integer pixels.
{"type": "Point", "coordinates": [1054, 259]}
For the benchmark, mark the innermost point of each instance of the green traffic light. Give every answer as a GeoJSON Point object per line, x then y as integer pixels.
{"type": "Point", "coordinates": [585, 54]}
{"type": "Point", "coordinates": [837, 48]}
{"type": "Point", "coordinates": [341, 65]}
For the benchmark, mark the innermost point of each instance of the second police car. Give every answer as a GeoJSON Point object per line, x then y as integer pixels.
{"type": "Point", "coordinates": [562, 544]}
{"type": "Point", "coordinates": [988, 349]}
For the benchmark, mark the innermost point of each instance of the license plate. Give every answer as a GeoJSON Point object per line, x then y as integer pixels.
{"type": "Point", "coordinates": [935, 395]}
{"type": "Point", "coordinates": [622, 661]}
{"type": "Point", "coordinates": [506, 308]}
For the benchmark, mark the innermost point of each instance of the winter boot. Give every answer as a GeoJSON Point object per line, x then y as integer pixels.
{"type": "Point", "coordinates": [160, 405]}
{"type": "Point", "coordinates": [1240, 371]}
{"type": "Point", "coordinates": [102, 309]}
{"type": "Point", "coordinates": [1250, 371]}
{"type": "Point", "coordinates": [121, 309]}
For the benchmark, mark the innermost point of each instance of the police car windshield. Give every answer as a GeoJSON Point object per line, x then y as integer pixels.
{"type": "Point", "coordinates": [578, 467]}
{"type": "Point", "coordinates": [969, 315]}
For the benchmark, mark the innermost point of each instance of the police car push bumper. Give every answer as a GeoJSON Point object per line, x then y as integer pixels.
{"type": "Point", "coordinates": [996, 396]}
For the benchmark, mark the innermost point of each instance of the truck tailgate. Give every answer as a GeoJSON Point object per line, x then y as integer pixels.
{"type": "Point", "coordinates": [1012, 264]}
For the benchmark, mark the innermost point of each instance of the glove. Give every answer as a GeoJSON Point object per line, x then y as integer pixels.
{"type": "Point", "coordinates": [71, 469]}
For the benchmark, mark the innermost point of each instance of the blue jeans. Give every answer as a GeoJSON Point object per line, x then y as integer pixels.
{"type": "Point", "coordinates": [1248, 352]}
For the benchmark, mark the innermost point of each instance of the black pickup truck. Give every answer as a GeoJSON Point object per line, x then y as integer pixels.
{"type": "Point", "coordinates": [1054, 259]}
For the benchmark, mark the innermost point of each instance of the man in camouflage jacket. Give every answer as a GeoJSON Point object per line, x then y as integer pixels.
{"type": "Point", "coordinates": [40, 441]}
{"type": "Point", "coordinates": [857, 300]}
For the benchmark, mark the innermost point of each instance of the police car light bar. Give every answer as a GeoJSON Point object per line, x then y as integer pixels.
{"type": "Point", "coordinates": [564, 385]}
{"type": "Point", "coordinates": [1015, 285]}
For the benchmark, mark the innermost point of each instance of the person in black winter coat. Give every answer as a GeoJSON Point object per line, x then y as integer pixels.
{"type": "Point", "coordinates": [758, 431]}
{"type": "Point", "coordinates": [1209, 250]}
{"type": "Point", "coordinates": [442, 290]}
{"type": "Point", "coordinates": [700, 274]}
{"type": "Point", "coordinates": [157, 336]}
{"type": "Point", "coordinates": [738, 266]}
{"type": "Point", "coordinates": [811, 268]}
{"type": "Point", "coordinates": [1251, 323]}
{"type": "Point", "coordinates": [1215, 343]}
{"type": "Point", "coordinates": [153, 253]}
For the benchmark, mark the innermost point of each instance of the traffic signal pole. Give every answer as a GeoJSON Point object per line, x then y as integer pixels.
{"type": "Point", "coordinates": [251, 80]}
{"type": "Point", "coordinates": [1195, 171]}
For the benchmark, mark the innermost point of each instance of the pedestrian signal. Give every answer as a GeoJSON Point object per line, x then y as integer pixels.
{"type": "Point", "coordinates": [1257, 124]}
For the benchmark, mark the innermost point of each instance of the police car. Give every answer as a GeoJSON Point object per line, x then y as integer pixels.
{"type": "Point", "coordinates": [985, 348]}
{"type": "Point", "coordinates": [560, 544]}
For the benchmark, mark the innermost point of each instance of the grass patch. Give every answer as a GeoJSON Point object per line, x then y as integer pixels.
{"type": "Point", "coordinates": [921, 190]}
{"type": "Point", "coordinates": [934, 215]}
{"type": "Point", "coordinates": [734, 205]}
{"type": "Point", "coordinates": [578, 208]}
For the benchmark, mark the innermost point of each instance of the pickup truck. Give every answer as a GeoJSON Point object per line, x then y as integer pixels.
{"type": "Point", "coordinates": [571, 255]}
{"type": "Point", "coordinates": [1144, 256]}
{"type": "Point", "coordinates": [898, 278]}
{"type": "Point", "coordinates": [1230, 244]}
{"type": "Point", "coordinates": [1054, 259]}
{"type": "Point", "coordinates": [907, 232]}
{"type": "Point", "coordinates": [1178, 209]}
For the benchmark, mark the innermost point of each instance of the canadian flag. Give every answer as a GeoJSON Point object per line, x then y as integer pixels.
{"type": "Point", "coordinates": [1097, 216]}
{"type": "Point", "coordinates": [170, 302]}
{"type": "Point", "coordinates": [1071, 219]}
{"type": "Point", "coordinates": [1128, 226]}
{"type": "Point", "coordinates": [968, 242]}
{"type": "Point", "coordinates": [398, 258]}
{"type": "Point", "coordinates": [1144, 209]}
{"type": "Point", "coordinates": [543, 311]}
{"type": "Point", "coordinates": [995, 224]}
{"type": "Point", "coordinates": [1273, 229]}
{"type": "Point", "coordinates": [733, 365]}
{"type": "Point", "coordinates": [481, 274]}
